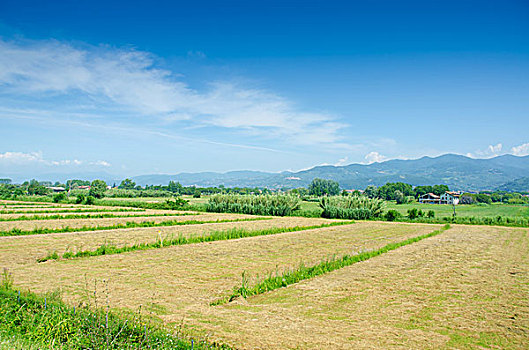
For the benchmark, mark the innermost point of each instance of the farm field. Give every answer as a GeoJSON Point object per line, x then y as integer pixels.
{"type": "Point", "coordinates": [465, 287]}
{"type": "Point", "coordinates": [491, 210]}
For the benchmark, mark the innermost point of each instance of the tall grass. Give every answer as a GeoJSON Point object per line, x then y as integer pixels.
{"type": "Point", "coordinates": [277, 205]}
{"type": "Point", "coordinates": [355, 207]}
{"type": "Point", "coordinates": [45, 322]}
{"type": "Point", "coordinates": [130, 224]}
{"type": "Point", "coordinates": [234, 233]}
{"type": "Point", "coordinates": [303, 272]}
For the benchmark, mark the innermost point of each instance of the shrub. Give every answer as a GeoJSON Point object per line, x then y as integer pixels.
{"type": "Point", "coordinates": [392, 215]}
{"type": "Point", "coordinates": [176, 203]}
{"type": "Point", "coordinates": [466, 200]}
{"type": "Point", "coordinates": [90, 200]}
{"type": "Point", "coordinates": [80, 198]}
{"type": "Point", "coordinates": [356, 207]}
{"type": "Point", "coordinates": [430, 214]}
{"type": "Point", "coordinates": [197, 193]}
{"type": "Point", "coordinates": [59, 197]}
{"type": "Point", "coordinates": [413, 213]}
{"type": "Point", "coordinates": [279, 205]}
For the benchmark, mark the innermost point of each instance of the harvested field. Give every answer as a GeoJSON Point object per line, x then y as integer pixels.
{"type": "Point", "coordinates": [466, 288]}
{"type": "Point", "coordinates": [37, 246]}
{"type": "Point", "coordinates": [78, 223]}
{"type": "Point", "coordinates": [183, 280]}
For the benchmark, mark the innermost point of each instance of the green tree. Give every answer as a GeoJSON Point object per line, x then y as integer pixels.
{"type": "Point", "coordinates": [323, 187]}
{"type": "Point", "coordinates": [5, 181]}
{"type": "Point", "coordinates": [371, 191]}
{"type": "Point", "coordinates": [127, 184]}
{"type": "Point", "coordinates": [422, 190]}
{"type": "Point", "coordinates": [440, 189]}
{"type": "Point", "coordinates": [97, 189]}
{"type": "Point", "coordinates": [35, 188]}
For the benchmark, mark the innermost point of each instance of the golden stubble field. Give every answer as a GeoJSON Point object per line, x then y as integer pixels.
{"type": "Point", "coordinates": [465, 288]}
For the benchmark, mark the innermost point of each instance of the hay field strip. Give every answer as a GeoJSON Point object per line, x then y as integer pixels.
{"type": "Point", "coordinates": [27, 225]}
{"type": "Point", "coordinates": [184, 280]}
{"type": "Point", "coordinates": [68, 210]}
{"type": "Point", "coordinates": [466, 288]}
{"type": "Point", "coordinates": [16, 250]}
{"type": "Point", "coordinates": [89, 215]}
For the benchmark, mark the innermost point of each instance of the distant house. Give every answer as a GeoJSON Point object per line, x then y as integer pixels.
{"type": "Point", "coordinates": [446, 198]}
{"type": "Point", "coordinates": [56, 189]}
{"type": "Point", "coordinates": [84, 187]}
{"type": "Point", "coordinates": [429, 198]}
{"type": "Point", "coordinates": [449, 198]}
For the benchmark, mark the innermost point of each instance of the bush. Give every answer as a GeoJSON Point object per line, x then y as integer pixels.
{"type": "Point", "coordinates": [431, 214]}
{"type": "Point", "coordinates": [392, 215]}
{"type": "Point", "coordinates": [80, 198]}
{"type": "Point", "coordinates": [197, 193]}
{"type": "Point", "coordinates": [59, 197]}
{"type": "Point", "coordinates": [466, 200]}
{"type": "Point", "coordinates": [356, 207]}
{"type": "Point", "coordinates": [90, 200]}
{"type": "Point", "coordinates": [176, 203]}
{"type": "Point", "coordinates": [279, 205]}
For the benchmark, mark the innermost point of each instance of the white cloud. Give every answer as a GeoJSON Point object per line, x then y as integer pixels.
{"type": "Point", "coordinates": [490, 152]}
{"type": "Point", "coordinates": [342, 161]}
{"type": "Point", "coordinates": [130, 82]}
{"type": "Point", "coordinates": [521, 150]}
{"type": "Point", "coordinates": [374, 157]}
{"type": "Point", "coordinates": [21, 158]}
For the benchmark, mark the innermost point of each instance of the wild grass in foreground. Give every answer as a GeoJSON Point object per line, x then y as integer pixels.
{"type": "Point", "coordinates": [234, 233]}
{"type": "Point", "coordinates": [89, 216]}
{"type": "Point", "coordinates": [303, 272]}
{"type": "Point", "coordinates": [130, 224]}
{"type": "Point", "coordinates": [45, 322]}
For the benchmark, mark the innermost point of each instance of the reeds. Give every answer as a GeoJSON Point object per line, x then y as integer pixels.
{"type": "Point", "coordinates": [276, 205]}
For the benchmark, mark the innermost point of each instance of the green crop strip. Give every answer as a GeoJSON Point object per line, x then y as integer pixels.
{"type": "Point", "coordinates": [234, 233]}
{"type": "Point", "coordinates": [88, 210]}
{"type": "Point", "coordinates": [130, 224]}
{"type": "Point", "coordinates": [91, 216]}
{"type": "Point", "coordinates": [303, 272]}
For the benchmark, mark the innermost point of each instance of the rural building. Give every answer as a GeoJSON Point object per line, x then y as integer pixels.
{"type": "Point", "coordinates": [449, 198]}
{"type": "Point", "coordinates": [56, 189]}
{"type": "Point", "coordinates": [446, 198]}
{"type": "Point", "coordinates": [429, 198]}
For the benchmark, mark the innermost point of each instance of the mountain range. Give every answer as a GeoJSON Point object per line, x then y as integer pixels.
{"type": "Point", "coordinates": [456, 171]}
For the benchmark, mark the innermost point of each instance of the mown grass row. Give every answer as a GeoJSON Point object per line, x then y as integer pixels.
{"type": "Point", "coordinates": [223, 235]}
{"type": "Point", "coordinates": [84, 210]}
{"type": "Point", "coordinates": [45, 322]}
{"type": "Point", "coordinates": [90, 216]}
{"type": "Point", "coordinates": [303, 272]}
{"type": "Point", "coordinates": [130, 224]}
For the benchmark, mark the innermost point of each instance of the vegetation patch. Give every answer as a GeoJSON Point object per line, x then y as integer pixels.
{"type": "Point", "coordinates": [277, 205]}
{"type": "Point", "coordinates": [303, 272]}
{"type": "Point", "coordinates": [351, 207]}
{"type": "Point", "coordinates": [47, 322]}
{"type": "Point", "coordinates": [88, 210]}
{"type": "Point", "coordinates": [181, 240]}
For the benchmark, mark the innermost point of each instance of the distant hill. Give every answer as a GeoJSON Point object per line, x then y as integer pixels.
{"type": "Point", "coordinates": [518, 185]}
{"type": "Point", "coordinates": [458, 172]}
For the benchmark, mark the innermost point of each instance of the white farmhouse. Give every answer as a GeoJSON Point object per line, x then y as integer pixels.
{"type": "Point", "coordinates": [449, 198]}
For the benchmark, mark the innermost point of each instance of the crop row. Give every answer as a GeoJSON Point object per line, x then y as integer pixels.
{"type": "Point", "coordinates": [129, 224]}
{"type": "Point", "coordinates": [89, 216]}
{"type": "Point", "coordinates": [88, 210]}
{"type": "Point", "coordinates": [303, 272]}
{"type": "Point", "coordinates": [223, 235]}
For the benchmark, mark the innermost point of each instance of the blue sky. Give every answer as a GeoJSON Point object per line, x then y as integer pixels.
{"type": "Point", "coordinates": [166, 86]}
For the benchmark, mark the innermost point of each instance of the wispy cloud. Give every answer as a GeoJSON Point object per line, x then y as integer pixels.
{"type": "Point", "coordinates": [131, 82]}
{"type": "Point", "coordinates": [521, 150]}
{"type": "Point", "coordinates": [21, 158]}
